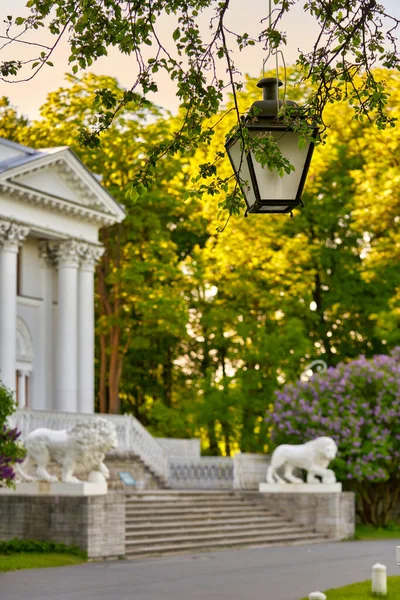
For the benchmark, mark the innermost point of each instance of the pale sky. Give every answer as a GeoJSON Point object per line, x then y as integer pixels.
{"type": "Point", "coordinates": [243, 16]}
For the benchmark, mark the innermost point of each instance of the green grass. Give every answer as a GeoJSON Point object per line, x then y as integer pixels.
{"type": "Point", "coordinates": [362, 591]}
{"type": "Point", "coordinates": [13, 562]}
{"type": "Point", "coordinates": [367, 532]}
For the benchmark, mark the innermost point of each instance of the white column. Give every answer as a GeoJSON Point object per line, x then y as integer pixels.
{"type": "Point", "coordinates": [89, 255]}
{"type": "Point", "coordinates": [11, 236]}
{"type": "Point", "coordinates": [66, 355]}
{"type": "Point", "coordinates": [47, 344]}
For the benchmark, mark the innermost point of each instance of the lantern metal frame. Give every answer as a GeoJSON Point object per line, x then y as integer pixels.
{"type": "Point", "coordinates": [267, 121]}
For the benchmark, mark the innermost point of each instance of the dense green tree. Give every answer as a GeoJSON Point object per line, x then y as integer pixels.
{"type": "Point", "coordinates": [11, 123]}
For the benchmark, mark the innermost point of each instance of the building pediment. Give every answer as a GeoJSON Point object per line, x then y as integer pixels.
{"type": "Point", "coordinates": [57, 179]}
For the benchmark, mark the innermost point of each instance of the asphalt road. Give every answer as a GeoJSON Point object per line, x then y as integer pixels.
{"type": "Point", "coordinates": [280, 573]}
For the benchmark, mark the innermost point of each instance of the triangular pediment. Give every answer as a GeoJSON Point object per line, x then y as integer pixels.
{"type": "Point", "coordinates": [60, 181]}
{"type": "Point", "coordinates": [51, 182]}
{"type": "Point", "coordinates": [58, 174]}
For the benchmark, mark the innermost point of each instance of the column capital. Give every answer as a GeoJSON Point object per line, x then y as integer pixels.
{"type": "Point", "coordinates": [23, 373]}
{"type": "Point", "coordinates": [89, 255]}
{"type": "Point", "coordinates": [46, 254]}
{"type": "Point", "coordinates": [12, 235]}
{"type": "Point", "coordinates": [65, 253]}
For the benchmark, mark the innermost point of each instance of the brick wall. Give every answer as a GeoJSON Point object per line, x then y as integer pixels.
{"type": "Point", "coordinates": [94, 523]}
{"type": "Point", "coordinates": [330, 514]}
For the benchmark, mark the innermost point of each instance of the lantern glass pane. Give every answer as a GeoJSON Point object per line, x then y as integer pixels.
{"type": "Point", "coordinates": [270, 185]}
{"type": "Point", "coordinates": [241, 167]}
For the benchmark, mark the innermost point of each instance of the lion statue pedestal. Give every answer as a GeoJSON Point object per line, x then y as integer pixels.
{"type": "Point", "coordinates": [312, 457]}
{"type": "Point", "coordinates": [56, 488]}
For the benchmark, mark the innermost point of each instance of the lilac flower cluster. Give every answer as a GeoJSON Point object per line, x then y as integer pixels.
{"type": "Point", "coordinates": [358, 405]}
{"type": "Point", "coordinates": [10, 453]}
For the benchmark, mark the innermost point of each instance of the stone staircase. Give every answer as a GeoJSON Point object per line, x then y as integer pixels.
{"type": "Point", "coordinates": [160, 522]}
{"type": "Point", "coordinates": [140, 471]}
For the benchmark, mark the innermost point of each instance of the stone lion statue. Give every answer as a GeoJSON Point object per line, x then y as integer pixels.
{"type": "Point", "coordinates": [83, 446]}
{"type": "Point", "coordinates": [314, 457]}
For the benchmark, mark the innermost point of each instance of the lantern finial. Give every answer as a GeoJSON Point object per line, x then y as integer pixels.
{"type": "Point", "coordinates": [267, 108]}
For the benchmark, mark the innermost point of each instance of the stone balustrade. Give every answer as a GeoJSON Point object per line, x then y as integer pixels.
{"type": "Point", "coordinates": [180, 447]}
{"type": "Point", "coordinates": [207, 472]}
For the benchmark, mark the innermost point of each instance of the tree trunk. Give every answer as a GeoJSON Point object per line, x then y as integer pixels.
{"type": "Point", "coordinates": [375, 502]}
{"type": "Point", "coordinates": [214, 450]}
{"type": "Point", "coordinates": [114, 372]}
{"type": "Point", "coordinates": [103, 375]}
{"type": "Point", "coordinates": [138, 403]}
{"type": "Point", "coordinates": [226, 430]}
{"type": "Point", "coordinates": [317, 296]}
{"type": "Point", "coordinates": [167, 377]}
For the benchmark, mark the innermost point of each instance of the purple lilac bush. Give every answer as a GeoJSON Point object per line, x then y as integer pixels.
{"type": "Point", "coordinates": [358, 405]}
{"type": "Point", "coordinates": [11, 451]}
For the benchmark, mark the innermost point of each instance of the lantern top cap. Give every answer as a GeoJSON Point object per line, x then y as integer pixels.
{"type": "Point", "coordinates": [269, 106]}
{"type": "Point", "coordinates": [269, 82]}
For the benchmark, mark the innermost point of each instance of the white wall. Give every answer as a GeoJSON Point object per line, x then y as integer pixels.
{"type": "Point", "coordinates": [29, 310]}
{"type": "Point", "coordinates": [31, 280]}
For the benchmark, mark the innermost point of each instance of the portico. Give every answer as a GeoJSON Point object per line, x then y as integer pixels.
{"type": "Point", "coordinates": [51, 210]}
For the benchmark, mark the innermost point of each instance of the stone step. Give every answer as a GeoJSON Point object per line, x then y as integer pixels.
{"type": "Point", "coordinates": [158, 523]}
{"type": "Point", "coordinates": [226, 537]}
{"type": "Point", "coordinates": [139, 505]}
{"type": "Point", "coordinates": [181, 493]}
{"type": "Point", "coordinates": [210, 515]}
{"type": "Point", "coordinates": [198, 512]}
{"type": "Point", "coordinates": [204, 510]}
{"type": "Point", "coordinates": [211, 532]}
{"type": "Point", "coordinates": [157, 494]}
{"type": "Point", "coordinates": [183, 548]}
{"type": "Point", "coordinates": [199, 518]}
{"type": "Point", "coordinates": [167, 496]}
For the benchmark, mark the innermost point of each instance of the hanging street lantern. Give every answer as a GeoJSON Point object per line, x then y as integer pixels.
{"type": "Point", "coordinates": [264, 189]}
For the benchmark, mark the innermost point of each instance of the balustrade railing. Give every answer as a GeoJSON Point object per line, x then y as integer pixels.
{"type": "Point", "coordinates": [207, 472]}
{"type": "Point", "coordinates": [147, 448]}
{"type": "Point", "coordinates": [180, 447]}
{"type": "Point", "coordinates": [250, 470]}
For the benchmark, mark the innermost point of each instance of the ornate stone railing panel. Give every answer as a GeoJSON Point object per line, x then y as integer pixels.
{"type": "Point", "coordinates": [132, 436]}
{"type": "Point", "coordinates": [147, 448]}
{"type": "Point", "coordinates": [180, 447]}
{"type": "Point", "coordinates": [249, 470]}
{"type": "Point", "coordinates": [204, 472]}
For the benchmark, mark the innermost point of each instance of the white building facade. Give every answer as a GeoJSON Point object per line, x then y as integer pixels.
{"type": "Point", "coordinates": [51, 211]}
